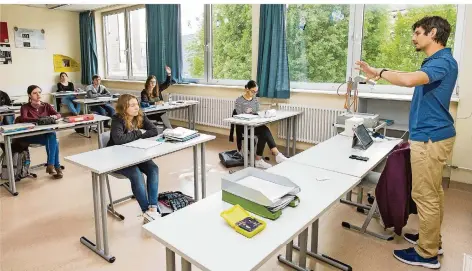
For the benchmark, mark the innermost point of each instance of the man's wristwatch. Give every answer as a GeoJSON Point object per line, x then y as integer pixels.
{"type": "Point", "coordinates": [383, 70]}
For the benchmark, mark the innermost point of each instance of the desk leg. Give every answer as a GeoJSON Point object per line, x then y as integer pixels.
{"type": "Point", "coordinates": [314, 250]}
{"type": "Point", "coordinates": [194, 116]}
{"type": "Point", "coordinates": [186, 266]}
{"type": "Point", "coordinates": [302, 240]}
{"type": "Point", "coordinates": [189, 115]}
{"type": "Point", "coordinates": [203, 170]}
{"type": "Point", "coordinates": [294, 135]}
{"type": "Point", "coordinates": [100, 131]}
{"type": "Point", "coordinates": [195, 172]}
{"type": "Point", "coordinates": [10, 186]}
{"type": "Point", "coordinates": [87, 128]}
{"type": "Point", "coordinates": [245, 147]}
{"type": "Point", "coordinates": [170, 260]}
{"type": "Point", "coordinates": [287, 140]}
{"type": "Point", "coordinates": [251, 153]}
{"type": "Point", "coordinates": [100, 211]}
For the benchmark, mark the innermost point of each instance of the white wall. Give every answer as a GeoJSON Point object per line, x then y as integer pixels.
{"type": "Point", "coordinates": [35, 66]}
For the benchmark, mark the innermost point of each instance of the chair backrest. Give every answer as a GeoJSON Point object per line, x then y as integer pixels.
{"type": "Point", "coordinates": [104, 138]}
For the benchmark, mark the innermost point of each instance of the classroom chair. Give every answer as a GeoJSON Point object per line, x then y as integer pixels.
{"type": "Point", "coordinates": [104, 138]}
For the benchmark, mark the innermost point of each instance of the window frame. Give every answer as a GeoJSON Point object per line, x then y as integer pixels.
{"type": "Point", "coordinates": [390, 89]}
{"type": "Point", "coordinates": [129, 56]}
{"type": "Point", "coordinates": [208, 54]}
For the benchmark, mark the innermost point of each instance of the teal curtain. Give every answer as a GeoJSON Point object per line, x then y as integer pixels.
{"type": "Point", "coordinates": [272, 68]}
{"type": "Point", "coordinates": [88, 47]}
{"type": "Point", "coordinates": [164, 42]}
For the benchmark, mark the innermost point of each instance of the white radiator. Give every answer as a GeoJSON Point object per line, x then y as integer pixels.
{"type": "Point", "coordinates": [211, 111]}
{"type": "Point", "coordinates": [315, 125]}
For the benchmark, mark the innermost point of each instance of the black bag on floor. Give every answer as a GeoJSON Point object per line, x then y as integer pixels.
{"type": "Point", "coordinates": [231, 159]}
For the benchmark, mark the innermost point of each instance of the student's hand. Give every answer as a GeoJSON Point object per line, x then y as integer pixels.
{"type": "Point", "coordinates": [370, 72]}
{"type": "Point", "coordinates": [54, 117]}
{"type": "Point", "coordinates": [168, 70]}
{"type": "Point", "coordinates": [249, 110]}
{"type": "Point", "coordinates": [160, 103]}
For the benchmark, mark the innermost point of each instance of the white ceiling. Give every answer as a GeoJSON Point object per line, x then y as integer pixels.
{"type": "Point", "coordinates": [70, 7]}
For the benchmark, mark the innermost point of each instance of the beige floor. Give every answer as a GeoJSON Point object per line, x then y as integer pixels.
{"type": "Point", "coordinates": [40, 228]}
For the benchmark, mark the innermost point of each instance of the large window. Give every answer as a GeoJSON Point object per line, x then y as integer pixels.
{"type": "Point", "coordinates": [317, 44]}
{"type": "Point", "coordinates": [125, 43]}
{"type": "Point", "coordinates": [217, 43]}
{"type": "Point", "coordinates": [387, 35]}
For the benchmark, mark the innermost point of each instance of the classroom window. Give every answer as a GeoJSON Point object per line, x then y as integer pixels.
{"type": "Point", "coordinates": [126, 43]}
{"type": "Point", "coordinates": [317, 44]}
{"type": "Point", "coordinates": [217, 43]}
{"type": "Point", "coordinates": [387, 36]}
{"type": "Point", "coordinates": [193, 41]}
{"type": "Point", "coordinates": [231, 42]}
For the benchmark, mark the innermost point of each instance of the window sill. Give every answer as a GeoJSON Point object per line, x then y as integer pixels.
{"type": "Point", "coordinates": [366, 95]}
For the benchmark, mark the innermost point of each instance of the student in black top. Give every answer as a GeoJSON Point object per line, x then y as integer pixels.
{"type": "Point", "coordinates": [65, 85]}
{"type": "Point", "coordinates": [127, 126]}
{"type": "Point", "coordinates": [5, 101]}
{"type": "Point", "coordinates": [152, 95]}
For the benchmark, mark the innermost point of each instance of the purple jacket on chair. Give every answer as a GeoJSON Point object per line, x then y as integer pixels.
{"type": "Point", "coordinates": [393, 192]}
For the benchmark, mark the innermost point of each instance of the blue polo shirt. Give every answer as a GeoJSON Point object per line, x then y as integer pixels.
{"type": "Point", "coordinates": [429, 112]}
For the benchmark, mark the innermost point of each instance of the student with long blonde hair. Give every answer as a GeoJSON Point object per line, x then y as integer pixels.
{"type": "Point", "coordinates": [126, 126]}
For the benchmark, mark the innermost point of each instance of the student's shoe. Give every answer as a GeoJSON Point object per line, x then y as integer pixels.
{"type": "Point", "coordinates": [262, 164]}
{"type": "Point", "coordinates": [411, 257]}
{"type": "Point", "coordinates": [58, 174]}
{"type": "Point", "coordinates": [151, 215]}
{"type": "Point", "coordinates": [413, 239]}
{"type": "Point", "coordinates": [280, 158]}
{"type": "Point", "coordinates": [50, 169]}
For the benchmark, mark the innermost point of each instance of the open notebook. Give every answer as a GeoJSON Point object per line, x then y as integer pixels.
{"type": "Point", "coordinates": [142, 144]}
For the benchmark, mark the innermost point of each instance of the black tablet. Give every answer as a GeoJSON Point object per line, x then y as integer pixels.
{"type": "Point", "coordinates": [361, 135]}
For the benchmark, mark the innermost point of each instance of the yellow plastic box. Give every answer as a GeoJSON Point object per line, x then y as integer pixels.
{"type": "Point", "coordinates": [235, 214]}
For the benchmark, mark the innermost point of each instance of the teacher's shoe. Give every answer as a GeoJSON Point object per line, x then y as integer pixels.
{"type": "Point", "coordinates": [411, 257]}
{"type": "Point", "coordinates": [413, 239]}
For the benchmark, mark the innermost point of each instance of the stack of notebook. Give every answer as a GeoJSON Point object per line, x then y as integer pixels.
{"type": "Point", "coordinates": [180, 134]}
{"type": "Point", "coordinates": [246, 116]}
{"type": "Point", "coordinates": [16, 127]}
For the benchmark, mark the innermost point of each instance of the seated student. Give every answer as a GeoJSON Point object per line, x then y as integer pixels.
{"type": "Point", "coordinates": [126, 126]}
{"type": "Point", "coordinates": [65, 85]}
{"type": "Point", "coordinates": [248, 103]}
{"type": "Point", "coordinates": [152, 94]}
{"type": "Point", "coordinates": [31, 112]}
{"type": "Point", "coordinates": [5, 100]}
{"type": "Point", "coordinates": [97, 90]}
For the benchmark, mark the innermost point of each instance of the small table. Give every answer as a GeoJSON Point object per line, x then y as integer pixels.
{"type": "Point", "coordinates": [38, 130]}
{"type": "Point", "coordinates": [190, 105]}
{"type": "Point", "coordinates": [57, 95]}
{"type": "Point", "coordinates": [291, 117]}
{"type": "Point", "coordinates": [118, 157]}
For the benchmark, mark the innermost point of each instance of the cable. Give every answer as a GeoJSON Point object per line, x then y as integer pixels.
{"type": "Point", "coordinates": [337, 90]}
{"type": "Point", "coordinates": [465, 118]}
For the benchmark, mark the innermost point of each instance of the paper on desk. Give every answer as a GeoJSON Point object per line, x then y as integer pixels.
{"type": "Point", "coordinates": [143, 144]}
{"type": "Point", "coordinates": [271, 190]}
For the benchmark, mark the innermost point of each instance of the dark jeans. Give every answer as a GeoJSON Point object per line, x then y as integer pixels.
{"type": "Point", "coordinates": [135, 175]}
{"type": "Point", "coordinates": [48, 140]}
{"type": "Point", "coordinates": [104, 109]}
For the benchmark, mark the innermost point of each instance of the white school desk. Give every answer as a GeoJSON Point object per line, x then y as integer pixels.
{"type": "Point", "coordinates": [291, 117]}
{"type": "Point", "coordinates": [118, 157]}
{"type": "Point", "coordinates": [38, 130]}
{"type": "Point", "coordinates": [210, 243]}
{"type": "Point", "coordinates": [88, 102]}
{"type": "Point", "coordinates": [162, 108]}
{"type": "Point", "coordinates": [333, 154]}
{"type": "Point", "coordinates": [60, 94]}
